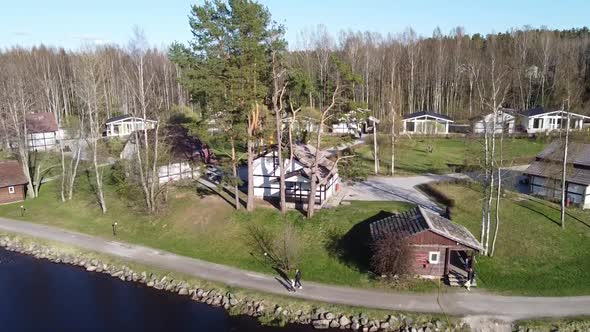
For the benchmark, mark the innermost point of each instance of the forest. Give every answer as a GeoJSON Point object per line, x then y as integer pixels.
{"type": "Point", "coordinates": [240, 73]}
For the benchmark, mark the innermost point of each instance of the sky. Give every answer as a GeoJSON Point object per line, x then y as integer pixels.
{"type": "Point", "coordinates": [72, 24]}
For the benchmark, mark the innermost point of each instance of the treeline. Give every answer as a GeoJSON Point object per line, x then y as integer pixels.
{"type": "Point", "coordinates": [441, 73]}
{"type": "Point", "coordinates": [46, 77]}
{"type": "Point", "coordinates": [83, 89]}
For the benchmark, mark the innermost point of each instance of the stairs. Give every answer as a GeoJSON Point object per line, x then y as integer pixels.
{"type": "Point", "coordinates": [455, 279]}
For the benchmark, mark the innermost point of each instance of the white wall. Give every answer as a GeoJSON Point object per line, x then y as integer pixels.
{"type": "Point", "coordinates": [42, 141]}
{"type": "Point", "coordinates": [126, 127]}
{"type": "Point", "coordinates": [177, 171]}
{"type": "Point", "coordinates": [266, 175]}
{"type": "Point", "coordinates": [550, 122]}
{"type": "Point", "coordinates": [420, 126]}
{"type": "Point", "coordinates": [487, 123]}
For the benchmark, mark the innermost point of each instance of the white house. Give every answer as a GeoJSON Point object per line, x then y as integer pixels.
{"type": "Point", "coordinates": [545, 173]}
{"type": "Point", "coordinates": [297, 176]}
{"type": "Point", "coordinates": [505, 122]}
{"type": "Point", "coordinates": [43, 132]}
{"type": "Point", "coordinates": [539, 120]}
{"type": "Point", "coordinates": [183, 156]}
{"type": "Point", "coordinates": [426, 123]}
{"type": "Point", "coordinates": [351, 123]}
{"type": "Point", "coordinates": [124, 125]}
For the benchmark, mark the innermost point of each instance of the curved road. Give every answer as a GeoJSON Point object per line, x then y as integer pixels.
{"type": "Point", "coordinates": [456, 303]}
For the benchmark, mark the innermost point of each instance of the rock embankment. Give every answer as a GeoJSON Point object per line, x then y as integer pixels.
{"type": "Point", "coordinates": [273, 313]}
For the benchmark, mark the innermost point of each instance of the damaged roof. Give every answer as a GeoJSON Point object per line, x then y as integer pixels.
{"type": "Point", "coordinates": [42, 122]}
{"type": "Point", "coordinates": [418, 220]}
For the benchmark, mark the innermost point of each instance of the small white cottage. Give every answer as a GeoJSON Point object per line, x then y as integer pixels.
{"type": "Point", "coordinates": [184, 153]}
{"type": "Point", "coordinates": [42, 131]}
{"type": "Point", "coordinates": [351, 123]}
{"type": "Point", "coordinates": [124, 125]}
{"type": "Point", "coordinates": [426, 123]}
{"type": "Point", "coordinates": [505, 122]}
{"type": "Point", "coordinates": [297, 176]}
{"type": "Point", "coordinates": [540, 120]}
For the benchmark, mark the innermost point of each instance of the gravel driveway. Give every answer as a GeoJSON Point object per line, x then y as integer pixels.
{"type": "Point", "coordinates": [401, 189]}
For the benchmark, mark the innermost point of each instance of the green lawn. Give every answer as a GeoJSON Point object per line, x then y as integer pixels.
{"type": "Point", "coordinates": [412, 156]}
{"type": "Point", "coordinates": [534, 256]}
{"type": "Point", "coordinates": [208, 228]}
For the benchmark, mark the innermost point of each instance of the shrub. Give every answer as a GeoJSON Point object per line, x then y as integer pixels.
{"type": "Point", "coordinates": [281, 249]}
{"type": "Point", "coordinates": [392, 256]}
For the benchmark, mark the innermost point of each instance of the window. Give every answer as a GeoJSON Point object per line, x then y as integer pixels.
{"type": "Point", "coordinates": [537, 123]}
{"type": "Point", "coordinates": [11, 190]}
{"type": "Point", "coordinates": [433, 257]}
{"type": "Point", "coordinates": [410, 126]}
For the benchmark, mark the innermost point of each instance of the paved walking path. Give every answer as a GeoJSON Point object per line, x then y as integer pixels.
{"type": "Point", "coordinates": [456, 303]}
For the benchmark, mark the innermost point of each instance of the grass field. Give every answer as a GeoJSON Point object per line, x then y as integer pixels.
{"type": "Point", "coordinates": [534, 256]}
{"type": "Point", "coordinates": [209, 228]}
{"type": "Point", "coordinates": [412, 156]}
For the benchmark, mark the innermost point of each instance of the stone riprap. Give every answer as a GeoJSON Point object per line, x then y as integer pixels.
{"type": "Point", "coordinates": [319, 318]}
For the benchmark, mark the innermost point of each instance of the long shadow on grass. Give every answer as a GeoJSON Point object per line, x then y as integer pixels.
{"type": "Point", "coordinates": [526, 206]}
{"type": "Point", "coordinates": [557, 222]}
{"type": "Point", "coordinates": [354, 248]}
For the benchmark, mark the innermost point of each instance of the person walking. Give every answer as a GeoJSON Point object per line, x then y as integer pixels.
{"type": "Point", "coordinates": [115, 229]}
{"type": "Point", "coordinates": [469, 278]}
{"type": "Point", "coordinates": [297, 281]}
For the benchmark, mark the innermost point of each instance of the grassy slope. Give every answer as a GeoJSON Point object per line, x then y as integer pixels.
{"type": "Point", "coordinates": [208, 228]}
{"type": "Point", "coordinates": [534, 256]}
{"type": "Point", "coordinates": [412, 156]}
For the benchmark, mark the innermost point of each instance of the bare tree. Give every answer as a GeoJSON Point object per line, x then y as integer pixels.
{"type": "Point", "coordinates": [89, 80]}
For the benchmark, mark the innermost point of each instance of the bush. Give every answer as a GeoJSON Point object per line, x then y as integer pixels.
{"type": "Point", "coordinates": [392, 256]}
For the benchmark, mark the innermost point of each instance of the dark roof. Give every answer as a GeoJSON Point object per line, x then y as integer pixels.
{"type": "Point", "coordinates": [480, 117]}
{"type": "Point", "coordinates": [578, 153]}
{"type": "Point", "coordinates": [553, 170]}
{"type": "Point", "coordinates": [548, 162]}
{"type": "Point", "coordinates": [43, 122]}
{"type": "Point", "coordinates": [540, 110]}
{"type": "Point", "coordinates": [180, 145]}
{"type": "Point", "coordinates": [423, 113]}
{"type": "Point", "coordinates": [536, 111]}
{"type": "Point", "coordinates": [11, 174]}
{"type": "Point", "coordinates": [418, 220]}
{"type": "Point", "coordinates": [119, 117]}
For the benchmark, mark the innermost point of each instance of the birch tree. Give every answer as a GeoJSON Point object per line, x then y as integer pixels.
{"type": "Point", "coordinates": [89, 81]}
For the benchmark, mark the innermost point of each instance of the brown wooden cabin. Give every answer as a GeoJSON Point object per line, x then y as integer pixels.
{"type": "Point", "coordinates": [439, 245]}
{"type": "Point", "coordinates": [12, 182]}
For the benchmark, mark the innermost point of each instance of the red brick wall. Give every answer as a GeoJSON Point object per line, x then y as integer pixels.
{"type": "Point", "coordinates": [6, 197]}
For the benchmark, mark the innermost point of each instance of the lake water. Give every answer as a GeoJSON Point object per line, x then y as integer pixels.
{"type": "Point", "coordinates": [37, 295]}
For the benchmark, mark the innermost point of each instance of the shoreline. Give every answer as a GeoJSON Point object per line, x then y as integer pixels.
{"type": "Point", "coordinates": [276, 312]}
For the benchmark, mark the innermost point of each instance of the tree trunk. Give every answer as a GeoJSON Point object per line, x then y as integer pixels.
{"type": "Point", "coordinates": [250, 202]}
{"type": "Point", "coordinates": [234, 165]}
